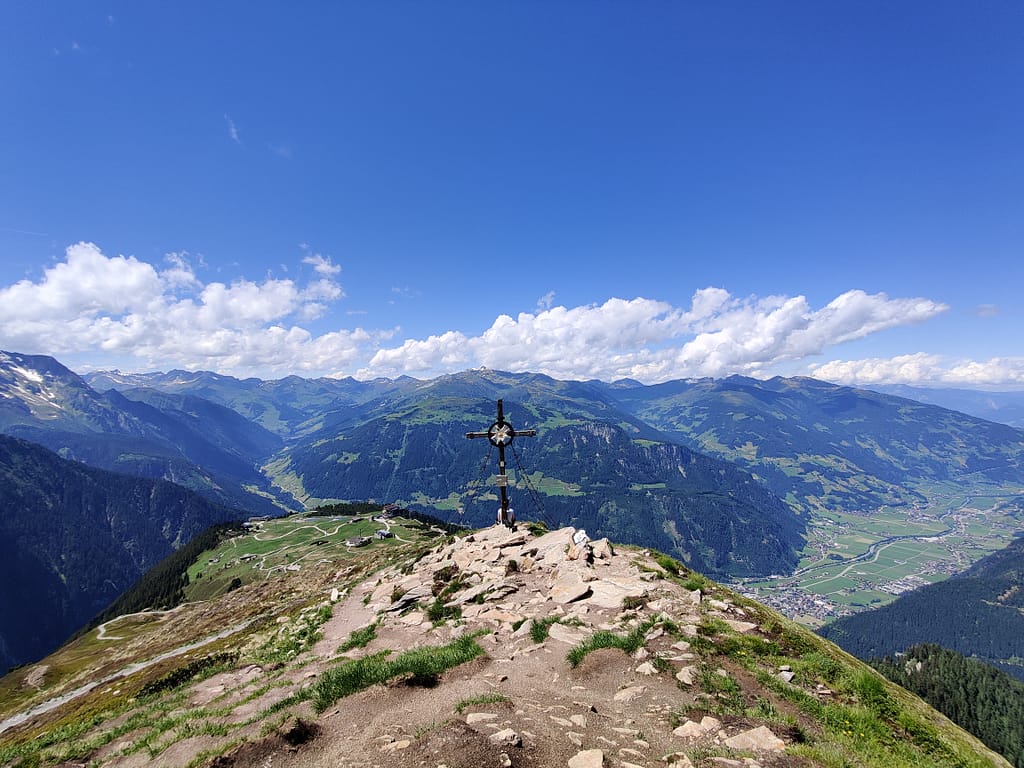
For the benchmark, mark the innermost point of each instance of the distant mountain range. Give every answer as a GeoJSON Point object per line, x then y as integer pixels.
{"type": "Point", "coordinates": [978, 613]}
{"type": "Point", "coordinates": [72, 538]}
{"type": "Point", "coordinates": [190, 441]}
{"type": "Point", "coordinates": [723, 474]}
{"type": "Point", "coordinates": [819, 446]}
{"type": "Point", "coordinates": [828, 448]}
{"type": "Point", "coordinates": [593, 464]}
{"type": "Point", "coordinates": [612, 457]}
{"type": "Point", "coordinates": [1004, 407]}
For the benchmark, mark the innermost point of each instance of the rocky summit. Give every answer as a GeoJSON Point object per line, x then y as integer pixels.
{"type": "Point", "coordinates": [498, 648]}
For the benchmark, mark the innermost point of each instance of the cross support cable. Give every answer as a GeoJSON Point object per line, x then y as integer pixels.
{"type": "Point", "coordinates": [501, 434]}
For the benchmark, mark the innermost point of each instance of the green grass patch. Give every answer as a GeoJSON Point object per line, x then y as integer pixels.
{"type": "Point", "coordinates": [293, 638]}
{"type": "Point", "coordinates": [540, 628]}
{"type": "Point", "coordinates": [711, 626]}
{"type": "Point", "coordinates": [481, 701]}
{"type": "Point", "coordinates": [628, 643]}
{"type": "Point", "coordinates": [359, 638]}
{"type": "Point", "coordinates": [725, 694]}
{"type": "Point", "coordinates": [439, 613]}
{"type": "Point", "coordinates": [422, 666]}
{"type": "Point", "coordinates": [552, 486]}
{"type": "Point", "coordinates": [668, 564]}
{"type": "Point", "coordinates": [633, 602]}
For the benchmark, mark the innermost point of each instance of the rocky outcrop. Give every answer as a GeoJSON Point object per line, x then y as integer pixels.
{"type": "Point", "coordinates": [589, 656]}
{"type": "Point", "coordinates": [614, 708]}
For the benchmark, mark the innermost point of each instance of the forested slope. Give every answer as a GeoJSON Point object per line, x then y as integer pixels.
{"type": "Point", "coordinates": [976, 696]}
{"type": "Point", "coordinates": [72, 538]}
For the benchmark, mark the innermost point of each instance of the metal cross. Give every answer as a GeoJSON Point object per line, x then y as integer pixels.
{"type": "Point", "coordinates": [500, 434]}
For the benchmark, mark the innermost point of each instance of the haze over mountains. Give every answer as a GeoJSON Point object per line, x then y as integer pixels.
{"type": "Point", "coordinates": [728, 475]}
{"type": "Point", "coordinates": [1004, 407]}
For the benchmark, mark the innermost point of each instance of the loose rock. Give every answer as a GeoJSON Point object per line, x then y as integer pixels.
{"type": "Point", "coordinates": [588, 758]}
{"type": "Point", "coordinates": [759, 739]}
{"type": "Point", "coordinates": [507, 737]}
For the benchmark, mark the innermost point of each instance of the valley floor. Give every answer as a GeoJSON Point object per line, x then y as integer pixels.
{"type": "Point", "coordinates": [855, 562]}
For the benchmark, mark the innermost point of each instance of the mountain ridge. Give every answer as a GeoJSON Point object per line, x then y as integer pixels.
{"type": "Point", "coordinates": [610, 458]}
{"type": "Point", "coordinates": [43, 401]}
{"type": "Point", "coordinates": [524, 649]}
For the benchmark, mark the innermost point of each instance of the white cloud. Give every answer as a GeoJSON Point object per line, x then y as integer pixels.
{"type": "Point", "coordinates": [118, 305]}
{"type": "Point", "coordinates": [86, 284]}
{"type": "Point", "coordinates": [322, 265]}
{"type": "Point", "coordinates": [180, 273]}
{"type": "Point", "coordinates": [924, 369]}
{"type": "Point", "coordinates": [232, 129]}
{"type": "Point", "coordinates": [121, 311]}
{"type": "Point", "coordinates": [447, 352]}
{"type": "Point", "coordinates": [655, 341]}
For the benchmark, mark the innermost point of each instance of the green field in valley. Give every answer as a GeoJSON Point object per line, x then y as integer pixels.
{"type": "Point", "coordinates": [857, 561]}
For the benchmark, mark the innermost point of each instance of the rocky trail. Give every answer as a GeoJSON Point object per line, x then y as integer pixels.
{"type": "Point", "coordinates": [583, 655]}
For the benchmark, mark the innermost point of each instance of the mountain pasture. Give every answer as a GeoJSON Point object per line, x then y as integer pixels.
{"type": "Point", "coordinates": [290, 543]}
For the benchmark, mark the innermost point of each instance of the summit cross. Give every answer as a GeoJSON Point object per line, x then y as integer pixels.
{"type": "Point", "coordinates": [500, 434]}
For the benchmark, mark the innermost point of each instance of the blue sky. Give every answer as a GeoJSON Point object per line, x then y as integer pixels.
{"type": "Point", "coordinates": [645, 189]}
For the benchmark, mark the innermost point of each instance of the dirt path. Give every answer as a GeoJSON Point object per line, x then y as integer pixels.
{"type": "Point", "coordinates": [131, 669]}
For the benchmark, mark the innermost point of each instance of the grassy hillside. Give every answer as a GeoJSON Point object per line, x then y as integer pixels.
{"type": "Point", "coordinates": [405, 651]}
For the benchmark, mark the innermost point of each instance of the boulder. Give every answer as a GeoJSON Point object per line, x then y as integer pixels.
{"type": "Point", "coordinates": [710, 724]}
{"type": "Point", "coordinates": [568, 588]}
{"type": "Point", "coordinates": [630, 693]}
{"type": "Point", "coordinates": [609, 593]}
{"type": "Point", "coordinates": [741, 626]}
{"type": "Point", "coordinates": [602, 549]}
{"type": "Point", "coordinates": [646, 669]}
{"type": "Point", "coordinates": [685, 675]}
{"type": "Point", "coordinates": [677, 760]}
{"type": "Point", "coordinates": [588, 758]}
{"type": "Point", "coordinates": [760, 739]}
{"type": "Point", "coordinates": [689, 730]}
{"type": "Point", "coordinates": [567, 634]}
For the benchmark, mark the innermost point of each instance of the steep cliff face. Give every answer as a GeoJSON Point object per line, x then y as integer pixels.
{"type": "Point", "coordinates": [496, 648]}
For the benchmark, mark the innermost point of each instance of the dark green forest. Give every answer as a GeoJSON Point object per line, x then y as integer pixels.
{"type": "Point", "coordinates": [976, 696]}
{"type": "Point", "coordinates": [371, 508]}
